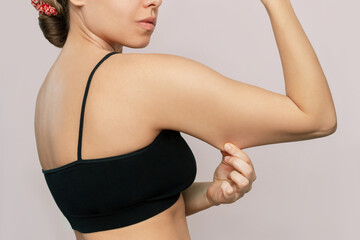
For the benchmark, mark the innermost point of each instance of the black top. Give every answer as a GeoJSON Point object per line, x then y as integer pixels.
{"type": "Point", "coordinates": [112, 192]}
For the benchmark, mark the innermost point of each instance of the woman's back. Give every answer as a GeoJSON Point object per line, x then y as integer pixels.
{"type": "Point", "coordinates": [109, 130]}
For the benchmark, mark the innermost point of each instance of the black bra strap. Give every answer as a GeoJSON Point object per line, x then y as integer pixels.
{"type": "Point", "coordinates": [84, 101]}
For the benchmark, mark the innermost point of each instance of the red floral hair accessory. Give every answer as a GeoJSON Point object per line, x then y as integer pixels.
{"type": "Point", "coordinates": [44, 8]}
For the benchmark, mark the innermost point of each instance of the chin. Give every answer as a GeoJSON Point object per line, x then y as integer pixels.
{"type": "Point", "coordinates": [141, 43]}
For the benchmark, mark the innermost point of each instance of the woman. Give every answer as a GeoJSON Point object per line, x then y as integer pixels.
{"type": "Point", "coordinates": [124, 171]}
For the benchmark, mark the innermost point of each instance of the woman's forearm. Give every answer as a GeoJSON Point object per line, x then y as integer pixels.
{"type": "Point", "coordinates": [195, 198]}
{"type": "Point", "coordinates": [305, 81]}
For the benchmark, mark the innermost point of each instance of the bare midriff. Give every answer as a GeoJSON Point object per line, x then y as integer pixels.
{"type": "Point", "coordinates": [169, 224]}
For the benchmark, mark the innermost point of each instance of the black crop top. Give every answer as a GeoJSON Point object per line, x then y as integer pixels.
{"type": "Point", "coordinates": [113, 192]}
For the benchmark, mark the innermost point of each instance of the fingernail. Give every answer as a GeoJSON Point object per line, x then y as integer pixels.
{"type": "Point", "coordinates": [227, 158]}
{"type": "Point", "coordinates": [227, 147]}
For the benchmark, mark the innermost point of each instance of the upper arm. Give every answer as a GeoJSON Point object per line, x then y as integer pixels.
{"type": "Point", "coordinates": [187, 96]}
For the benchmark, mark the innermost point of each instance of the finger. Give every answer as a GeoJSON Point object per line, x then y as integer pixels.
{"type": "Point", "coordinates": [242, 182]}
{"type": "Point", "coordinates": [243, 167]}
{"type": "Point", "coordinates": [228, 190]}
{"type": "Point", "coordinates": [235, 151]}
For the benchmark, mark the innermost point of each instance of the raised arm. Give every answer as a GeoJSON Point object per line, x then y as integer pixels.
{"type": "Point", "coordinates": [182, 94]}
{"type": "Point", "coordinates": [305, 81]}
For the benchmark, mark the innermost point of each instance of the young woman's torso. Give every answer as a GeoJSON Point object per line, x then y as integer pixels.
{"type": "Point", "coordinates": [112, 95]}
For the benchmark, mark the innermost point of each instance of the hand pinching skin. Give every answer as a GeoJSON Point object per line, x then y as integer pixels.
{"type": "Point", "coordinates": [232, 178]}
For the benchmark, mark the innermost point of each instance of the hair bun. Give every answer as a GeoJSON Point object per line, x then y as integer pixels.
{"type": "Point", "coordinates": [56, 28]}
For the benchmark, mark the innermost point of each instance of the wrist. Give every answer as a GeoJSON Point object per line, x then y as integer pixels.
{"type": "Point", "coordinates": [208, 200]}
{"type": "Point", "coordinates": [195, 198]}
{"type": "Point", "coordinates": [269, 4]}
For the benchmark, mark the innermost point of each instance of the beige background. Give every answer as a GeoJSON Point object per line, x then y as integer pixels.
{"type": "Point", "coordinates": [305, 190]}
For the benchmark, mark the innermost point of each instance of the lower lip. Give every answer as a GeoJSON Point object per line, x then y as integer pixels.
{"type": "Point", "coordinates": [147, 25]}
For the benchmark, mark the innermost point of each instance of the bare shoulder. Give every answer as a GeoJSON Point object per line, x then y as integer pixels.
{"type": "Point", "coordinates": [185, 95]}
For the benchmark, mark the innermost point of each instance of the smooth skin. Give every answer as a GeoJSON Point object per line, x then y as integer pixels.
{"type": "Point", "coordinates": [134, 96]}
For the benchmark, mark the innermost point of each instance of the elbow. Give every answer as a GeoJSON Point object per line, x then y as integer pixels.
{"type": "Point", "coordinates": [324, 125]}
{"type": "Point", "coordinates": [327, 129]}
{"type": "Point", "coordinates": [333, 128]}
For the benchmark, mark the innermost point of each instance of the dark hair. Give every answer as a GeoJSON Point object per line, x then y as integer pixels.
{"type": "Point", "coordinates": [56, 28]}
